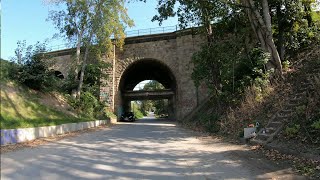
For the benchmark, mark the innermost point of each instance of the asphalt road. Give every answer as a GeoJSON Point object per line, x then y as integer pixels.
{"type": "Point", "coordinates": [146, 149]}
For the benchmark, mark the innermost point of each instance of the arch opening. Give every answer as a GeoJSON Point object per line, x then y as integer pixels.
{"type": "Point", "coordinates": [58, 74]}
{"type": "Point", "coordinates": [148, 85]}
{"type": "Point", "coordinates": [161, 90]}
{"type": "Point", "coordinates": [150, 107]}
{"type": "Point", "coordinates": [147, 69]}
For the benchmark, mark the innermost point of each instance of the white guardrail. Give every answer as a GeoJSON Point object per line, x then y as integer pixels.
{"type": "Point", "coordinates": [13, 136]}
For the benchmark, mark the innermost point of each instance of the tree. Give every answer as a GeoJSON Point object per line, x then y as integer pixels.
{"type": "Point", "coordinates": [90, 23]}
{"type": "Point", "coordinates": [31, 69]}
{"type": "Point", "coordinates": [294, 26]}
{"type": "Point", "coordinates": [196, 13]}
{"type": "Point", "coordinates": [206, 12]}
{"type": "Point", "coordinates": [19, 51]}
{"type": "Point", "coordinates": [259, 16]}
{"type": "Point", "coordinates": [153, 85]}
{"type": "Point", "coordinates": [193, 13]}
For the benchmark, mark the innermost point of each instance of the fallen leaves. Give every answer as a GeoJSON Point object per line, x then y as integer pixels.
{"type": "Point", "coordinates": [307, 167]}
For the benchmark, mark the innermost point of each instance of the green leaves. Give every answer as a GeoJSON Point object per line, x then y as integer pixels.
{"type": "Point", "coordinates": [91, 24]}
{"type": "Point", "coordinates": [31, 68]}
{"type": "Point", "coordinates": [191, 13]}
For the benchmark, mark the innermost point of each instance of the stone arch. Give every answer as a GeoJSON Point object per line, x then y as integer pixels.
{"type": "Point", "coordinates": [147, 69]}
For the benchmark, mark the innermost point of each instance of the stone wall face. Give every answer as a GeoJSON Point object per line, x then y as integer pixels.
{"type": "Point", "coordinates": [62, 63]}
{"type": "Point", "coordinates": [176, 54]}
{"type": "Point", "coordinates": [174, 51]}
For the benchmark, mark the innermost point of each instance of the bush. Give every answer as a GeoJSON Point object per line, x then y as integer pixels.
{"type": "Point", "coordinates": [86, 105]}
{"type": "Point", "coordinates": [68, 84]}
{"type": "Point", "coordinates": [300, 110]}
{"type": "Point", "coordinates": [209, 121]}
{"type": "Point", "coordinates": [35, 75]}
{"type": "Point", "coordinates": [137, 113]}
{"type": "Point", "coordinates": [292, 131]}
{"type": "Point", "coordinates": [31, 68]}
{"type": "Point", "coordinates": [8, 70]}
{"type": "Point", "coordinates": [316, 125]}
{"type": "Point", "coordinates": [108, 113]}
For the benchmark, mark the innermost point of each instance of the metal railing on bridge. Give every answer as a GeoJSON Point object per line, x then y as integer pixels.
{"type": "Point", "coordinates": [150, 31]}
{"type": "Point", "coordinates": [131, 33]}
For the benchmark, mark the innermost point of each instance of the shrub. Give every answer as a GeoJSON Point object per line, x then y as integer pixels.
{"type": "Point", "coordinates": [292, 131]}
{"type": "Point", "coordinates": [137, 113]}
{"type": "Point", "coordinates": [31, 69]}
{"type": "Point", "coordinates": [316, 125]}
{"type": "Point", "coordinates": [108, 113]}
{"type": "Point", "coordinates": [210, 121]}
{"type": "Point", "coordinates": [86, 105]}
{"type": "Point", "coordinates": [286, 65]}
{"type": "Point", "coordinates": [68, 84]}
{"type": "Point", "coordinates": [8, 70]}
{"type": "Point", "coordinates": [88, 102]}
{"type": "Point", "coordinates": [300, 110]}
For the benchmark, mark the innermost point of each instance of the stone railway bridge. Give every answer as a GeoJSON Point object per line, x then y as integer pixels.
{"type": "Point", "coordinates": [162, 57]}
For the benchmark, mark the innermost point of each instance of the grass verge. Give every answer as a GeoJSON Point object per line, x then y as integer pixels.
{"type": "Point", "coordinates": [21, 109]}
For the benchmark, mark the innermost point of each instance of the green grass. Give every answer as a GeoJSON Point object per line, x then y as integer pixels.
{"type": "Point", "coordinates": [137, 113]}
{"type": "Point", "coordinates": [21, 109]}
{"type": "Point", "coordinates": [5, 66]}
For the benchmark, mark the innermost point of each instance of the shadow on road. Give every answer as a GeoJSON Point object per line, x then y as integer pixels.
{"type": "Point", "coordinates": [146, 149]}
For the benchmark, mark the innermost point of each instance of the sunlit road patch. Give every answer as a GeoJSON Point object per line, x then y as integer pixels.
{"type": "Point", "coordinates": [145, 149]}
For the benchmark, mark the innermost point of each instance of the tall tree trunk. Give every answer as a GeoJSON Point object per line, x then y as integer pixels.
{"type": "Point", "coordinates": [215, 67]}
{"type": "Point", "coordinates": [307, 10]}
{"type": "Point", "coordinates": [83, 67]}
{"type": "Point", "coordinates": [261, 25]}
{"type": "Point", "coordinates": [78, 56]}
{"type": "Point", "coordinates": [74, 92]}
{"type": "Point", "coordinates": [275, 58]}
{"type": "Point", "coordinates": [280, 44]}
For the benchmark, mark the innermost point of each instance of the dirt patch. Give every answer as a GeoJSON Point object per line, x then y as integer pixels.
{"type": "Point", "coordinates": [56, 101]}
{"type": "Point", "coordinates": [10, 89]}
{"type": "Point", "coordinates": [306, 166]}
{"type": "Point", "coordinates": [53, 100]}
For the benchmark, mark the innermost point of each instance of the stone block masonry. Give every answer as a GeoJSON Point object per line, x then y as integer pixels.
{"type": "Point", "coordinates": [172, 50]}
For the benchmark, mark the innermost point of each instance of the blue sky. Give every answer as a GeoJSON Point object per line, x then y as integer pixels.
{"type": "Point", "coordinates": [26, 20]}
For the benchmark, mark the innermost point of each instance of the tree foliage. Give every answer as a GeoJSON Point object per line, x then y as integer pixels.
{"type": "Point", "coordinates": [295, 25]}
{"type": "Point", "coordinates": [31, 68]}
{"type": "Point", "coordinates": [90, 23]}
{"type": "Point", "coordinates": [277, 25]}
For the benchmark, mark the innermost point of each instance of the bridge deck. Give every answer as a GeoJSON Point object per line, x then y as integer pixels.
{"type": "Point", "coordinates": [148, 95]}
